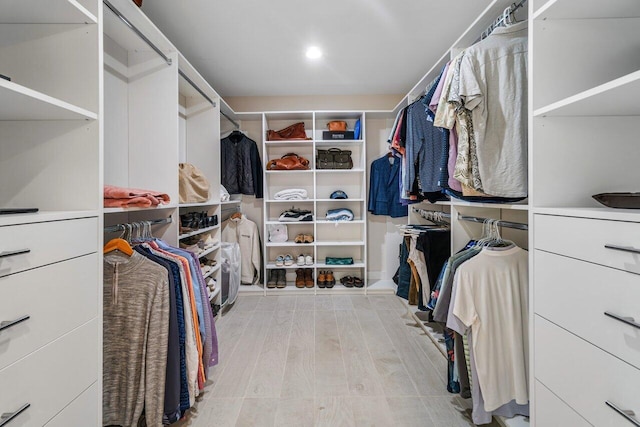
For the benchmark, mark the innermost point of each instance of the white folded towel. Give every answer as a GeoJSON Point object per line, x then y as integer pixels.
{"type": "Point", "coordinates": [291, 194]}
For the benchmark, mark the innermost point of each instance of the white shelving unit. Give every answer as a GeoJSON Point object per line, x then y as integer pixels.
{"type": "Point", "coordinates": [331, 238]}
{"type": "Point", "coordinates": [583, 126]}
{"type": "Point", "coordinates": [51, 116]}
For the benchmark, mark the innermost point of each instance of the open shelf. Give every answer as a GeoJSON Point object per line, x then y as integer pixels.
{"type": "Point", "coordinates": [356, 264]}
{"type": "Point", "coordinates": [196, 205]}
{"type": "Point", "coordinates": [339, 170]}
{"type": "Point", "coordinates": [136, 209]}
{"type": "Point", "coordinates": [288, 143]}
{"type": "Point", "coordinates": [355, 221]}
{"type": "Point", "coordinates": [271, 222]}
{"type": "Point", "coordinates": [214, 294]}
{"type": "Point", "coordinates": [341, 243]}
{"type": "Point", "coordinates": [273, 266]}
{"type": "Point", "coordinates": [614, 98]}
{"type": "Point", "coordinates": [199, 231]}
{"type": "Point", "coordinates": [21, 103]}
{"type": "Point", "coordinates": [56, 12]}
{"type": "Point", "coordinates": [587, 9]}
{"type": "Point", "coordinates": [513, 206]}
{"type": "Point", "coordinates": [287, 244]}
{"type": "Point", "coordinates": [277, 171]}
{"type": "Point", "coordinates": [329, 142]}
{"type": "Point", "coordinates": [212, 272]}
{"type": "Point", "coordinates": [210, 250]}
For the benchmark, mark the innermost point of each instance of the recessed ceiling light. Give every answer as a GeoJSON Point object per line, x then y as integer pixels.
{"type": "Point", "coordinates": [314, 52]}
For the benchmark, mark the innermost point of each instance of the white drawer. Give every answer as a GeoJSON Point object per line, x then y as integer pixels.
{"type": "Point", "coordinates": [585, 239]}
{"type": "Point", "coordinates": [52, 377]}
{"type": "Point", "coordinates": [47, 242]}
{"type": "Point", "coordinates": [553, 412]}
{"type": "Point", "coordinates": [85, 410]}
{"type": "Point", "coordinates": [576, 294]}
{"type": "Point", "coordinates": [57, 298]}
{"type": "Point", "coordinates": [584, 376]}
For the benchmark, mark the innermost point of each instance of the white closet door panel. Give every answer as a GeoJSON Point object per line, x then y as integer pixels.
{"type": "Point", "coordinates": [553, 412]}
{"type": "Point", "coordinates": [81, 411]}
{"type": "Point", "coordinates": [584, 376]}
{"type": "Point", "coordinates": [576, 294]}
{"type": "Point", "coordinates": [202, 136]}
{"type": "Point", "coordinates": [116, 129]}
{"type": "Point", "coordinates": [48, 242]}
{"type": "Point", "coordinates": [585, 238]}
{"type": "Point", "coordinates": [52, 377]}
{"type": "Point", "coordinates": [57, 298]}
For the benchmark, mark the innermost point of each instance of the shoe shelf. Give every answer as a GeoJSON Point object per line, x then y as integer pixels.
{"type": "Point", "coordinates": [215, 293]}
{"type": "Point", "coordinates": [212, 272]}
{"type": "Point", "coordinates": [325, 266]}
{"type": "Point", "coordinates": [290, 243]}
{"type": "Point", "coordinates": [210, 250]}
{"type": "Point", "coordinates": [273, 266]}
{"type": "Point", "coordinates": [198, 231]}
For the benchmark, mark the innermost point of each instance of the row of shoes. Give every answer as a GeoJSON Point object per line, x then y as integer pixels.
{"type": "Point", "coordinates": [277, 278]}
{"type": "Point", "coordinates": [351, 281]}
{"type": "Point", "coordinates": [304, 238]}
{"type": "Point", "coordinates": [193, 221]}
{"type": "Point", "coordinates": [211, 287]}
{"type": "Point", "coordinates": [287, 260]}
{"type": "Point", "coordinates": [197, 244]}
{"type": "Point", "coordinates": [206, 265]}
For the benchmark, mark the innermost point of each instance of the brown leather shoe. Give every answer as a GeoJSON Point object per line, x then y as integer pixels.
{"type": "Point", "coordinates": [308, 277]}
{"type": "Point", "coordinates": [321, 279]}
{"type": "Point", "coordinates": [329, 279]}
{"type": "Point", "coordinates": [300, 278]}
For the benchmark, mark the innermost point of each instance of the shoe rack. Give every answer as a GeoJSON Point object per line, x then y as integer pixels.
{"type": "Point", "coordinates": [330, 238]}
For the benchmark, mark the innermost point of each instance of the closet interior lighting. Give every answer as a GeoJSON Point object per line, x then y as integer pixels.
{"type": "Point", "coordinates": [139, 33]}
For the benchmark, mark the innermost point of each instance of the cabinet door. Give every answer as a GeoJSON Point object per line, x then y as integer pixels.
{"type": "Point", "coordinates": [553, 412]}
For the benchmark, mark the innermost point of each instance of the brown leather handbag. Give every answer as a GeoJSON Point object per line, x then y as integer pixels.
{"type": "Point", "coordinates": [337, 126]}
{"type": "Point", "coordinates": [290, 161]}
{"type": "Point", "coordinates": [295, 131]}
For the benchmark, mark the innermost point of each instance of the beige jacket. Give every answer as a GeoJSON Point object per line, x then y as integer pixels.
{"type": "Point", "coordinates": [245, 232]}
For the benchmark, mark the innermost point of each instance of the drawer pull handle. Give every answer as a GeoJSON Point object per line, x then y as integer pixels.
{"type": "Point", "coordinates": [628, 415]}
{"type": "Point", "coordinates": [9, 323]}
{"type": "Point", "coordinates": [628, 320]}
{"type": "Point", "coordinates": [7, 254]}
{"type": "Point", "coordinates": [8, 416]}
{"type": "Point", "coordinates": [623, 248]}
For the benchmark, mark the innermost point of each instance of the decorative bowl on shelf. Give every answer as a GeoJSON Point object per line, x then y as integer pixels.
{"type": "Point", "coordinates": [619, 200]}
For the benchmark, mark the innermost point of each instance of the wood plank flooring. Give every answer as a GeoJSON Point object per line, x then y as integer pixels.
{"type": "Point", "coordinates": [329, 360]}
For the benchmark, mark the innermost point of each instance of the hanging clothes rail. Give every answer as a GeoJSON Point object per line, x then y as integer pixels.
{"type": "Point", "coordinates": [499, 223]}
{"type": "Point", "coordinates": [508, 12]}
{"type": "Point", "coordinates": [139, 33]}
{"type": "Point", "coordinates": [230, 119]}
{"type": "Point", "coordinates": [123, 227]}
{"type": "Point", "coordinates": [196, 87]}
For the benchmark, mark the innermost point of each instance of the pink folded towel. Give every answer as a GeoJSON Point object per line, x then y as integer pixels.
{"type": "Point", "coordinates": [122, 197]}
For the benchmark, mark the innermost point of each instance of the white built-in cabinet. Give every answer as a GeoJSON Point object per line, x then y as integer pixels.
{"type": "Point", "coordinates": [159, 112]}
{"type": "Point", "coordinates": [331, 238]}
{"type": "Point", "coordinates": [50, 159]}
{"type": "Point", "coordinates": [585, 297]}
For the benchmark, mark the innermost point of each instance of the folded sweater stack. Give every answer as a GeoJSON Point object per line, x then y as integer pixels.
{"type": "Point", "coordinates": [116, 197]}
{"type": "Point", "coordinates": [291, 194]}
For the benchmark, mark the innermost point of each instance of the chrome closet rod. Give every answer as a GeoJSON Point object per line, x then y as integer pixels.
{"type": "Point", "coordinates": [137, 31]}
{"type": "Point", "coordinates": [230, 119]}
{"type": "Point", "coordinates": [122, 227]}
{"type": "Point", "coordinates": [499, 21]}
{"type": "Point", "coordinates": [500, 223]}
{"type": "Point", "coordinates": [420, 211]}
{"type": "Point", "coordinates": [196, 87]}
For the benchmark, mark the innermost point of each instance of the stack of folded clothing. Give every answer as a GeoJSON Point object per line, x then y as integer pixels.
{"type": "Point", "coordinates": [295, 215]}
{"type": "Point", "coordinates": [341, 214]}
{"type": "Point", "coordinates": [291, 194]}
{"type": "Point", "coordinates": [117, 197]}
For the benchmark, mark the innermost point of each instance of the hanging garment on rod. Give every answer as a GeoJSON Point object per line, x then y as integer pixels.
{"type": "Point", "coordinates": [384, 187]}
{"type": "Point", "coordinates": [243, 231]}
{"type": "Point", "coordinates": [241, 165]}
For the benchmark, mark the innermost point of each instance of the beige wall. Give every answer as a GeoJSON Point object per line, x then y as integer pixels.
{"type": "Point", "coordinates": [301, 103]}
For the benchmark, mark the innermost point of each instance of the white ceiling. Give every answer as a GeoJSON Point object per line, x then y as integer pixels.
{"type": "Point", "coordinates": [257, 47]}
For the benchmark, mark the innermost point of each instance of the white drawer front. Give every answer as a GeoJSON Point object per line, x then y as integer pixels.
{"type": "Point", "coordinates": [57, 298]}
{"type": "Point", "coordinates": [52, 377]}
{"type": "Point", "coordinates": [576, 294]}
{"type": "Point", "coordinates": [585, 239]}
{"type": "Point", "coordinates": [85, 410]}
{"type": "Point", "coordinates": [553, 412]}
{"type": "Point", "coordinates": [584, 376]}
{"type": "Point", "coordinates": [47, 242]}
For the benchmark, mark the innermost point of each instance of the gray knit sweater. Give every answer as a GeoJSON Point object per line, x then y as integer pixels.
{"type": "Point", "coordinates": [136, 323]}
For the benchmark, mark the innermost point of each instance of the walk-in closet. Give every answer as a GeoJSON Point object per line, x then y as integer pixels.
{"type": "Point", "coordinates": [339, 213]}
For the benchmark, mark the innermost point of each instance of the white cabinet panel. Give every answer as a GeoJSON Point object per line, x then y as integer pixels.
{"type": "Point", "coordinates": [585, 238]}
{"type": "Point", "coordinates": [47, 242]}
{"type": "Point", "coordinates": [584, 376]}
{"type": "Point", "coordinates": [52, 377]}
{"type": "Point", "coordinates": [553, 412]}
{"type": "Point", "coordinates": [57, 298]}
{"type": "Point", "coordinates": [83, 411]}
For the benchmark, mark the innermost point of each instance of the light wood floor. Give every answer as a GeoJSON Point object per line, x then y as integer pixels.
{"type": "Point", "coordinates": [328, 360]}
